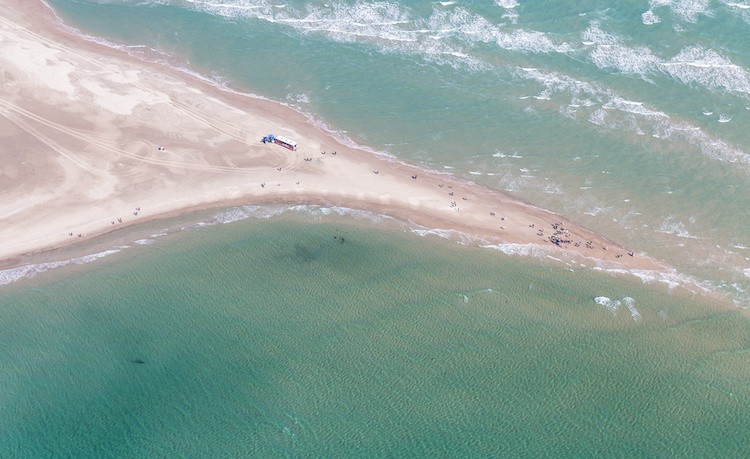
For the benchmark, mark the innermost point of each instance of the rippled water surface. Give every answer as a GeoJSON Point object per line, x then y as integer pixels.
{"type": "Point", "coordinates": [328, 332]}
{"type": "Point", "coordinates": [336, 336]}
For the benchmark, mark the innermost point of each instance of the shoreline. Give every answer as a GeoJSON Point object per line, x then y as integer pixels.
{"type": "Point", "coordinates": [212, 157]}
{"type": "Point", "coordinates": [126, 242]}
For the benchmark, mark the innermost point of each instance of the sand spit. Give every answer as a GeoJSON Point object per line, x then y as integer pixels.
{"type": "Point", "coordinates": [95, 140]}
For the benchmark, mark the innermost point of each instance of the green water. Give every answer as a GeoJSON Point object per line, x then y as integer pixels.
{"type": "Point", "coordinates": [337, 336]}
{"type": "Point", "coordinates": [301, 336]}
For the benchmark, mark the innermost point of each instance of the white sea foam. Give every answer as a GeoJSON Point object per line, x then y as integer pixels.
{"type": "Point", "coordinates": [693, 65]}
{"type": "Point", "coordinates": [459, 236]}
{"type": "Point", "coordinates": [630, 304]}
{"type": "Point", "coordinates": [391, 28]}
{"type": "Point", "coordinates": [499, 154]}
{"type": "Point", "coordinates": [608, 303]}
{"type": "Point", "coordinates": [606, 108]}
{"type": "Point", "coordinates": [387, 26]}
{"type": "Point", "coordinates": [511, 181]}
{"type": "Point", "coordinates": [613, 305]}
{"type": "Point", "coordinates": [303, 99]}
{"type": "Point", "coordinates": [609, 52]}
{"type": "Point", "coordinates": [740, 6]}
{"type": "Point", "coordinates": [471, 28]}
{"type": "Point", "coordinates": [724, 118]}
{"type": "Point", "coordinates": [708, 68]}
{"type": "Point", "coordinates": [580, 92]}
{"type": "Point", "coordinates": [672, 279]}
{"type": "Point", "coordinates": [320, 211]}
{"type": "Point", "coordinates": [598, 117]}
{"type": "Point", "coordinates": [530, 41]}
{"type": "Point", "coordinates": [597, 210]}
{"type": "Point", "coordinates": [11, 275]}
{"type": "Point", "coordinates": [237, 214]}
{"type": "Point", "coordinates": [526, 250]}
{"type": "Point", "coordinates": [670, 226]}
{"type": "Point", "coordinates": [686, 10]}
{"type": "Point", "coordinates": [649, 18]}
{"type": "Point", "coordinates": [507, 4]}
{"type": "Point", "coordinates": [509, 9]}
{"type": "Point", "coordinates": [629, 106]}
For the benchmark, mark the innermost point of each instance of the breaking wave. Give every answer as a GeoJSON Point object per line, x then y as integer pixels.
{"type": "Point", "coordinates": [237, 214]}
{"type": "Point", "coordinates": [8, 276]}
{"type": "Point", "coordinates": [693, 65]}
{"type": "Point", "coordinates": [446, 36]}
{"type": "Point", "coordinates": [613, 305]}
{"type": "Point", "coordinates": [685, 10]}
{"type": "Point", "coordinates": [597, 104]}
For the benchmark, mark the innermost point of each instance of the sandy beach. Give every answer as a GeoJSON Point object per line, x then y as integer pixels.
{"type": "Point", "coordinates": [95, 140]}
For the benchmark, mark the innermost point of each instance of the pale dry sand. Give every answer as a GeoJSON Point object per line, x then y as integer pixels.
{"type": "Point", "coordinates": [81, 125]}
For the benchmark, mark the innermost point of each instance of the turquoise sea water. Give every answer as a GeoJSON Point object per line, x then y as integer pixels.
{"type": "Point", "coordinates": [310, 336]}
{"type": "Point", "coordinates": [305, 334]}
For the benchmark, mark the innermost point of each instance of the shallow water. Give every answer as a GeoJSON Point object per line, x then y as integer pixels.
{"type": "Point", "coordinates": [271, 336]}
{"type": "Point", "coordinates": [306, 335]}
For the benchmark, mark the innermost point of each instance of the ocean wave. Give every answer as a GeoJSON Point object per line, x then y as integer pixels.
{"type": "Point", "coordinates": [509, 7]}
{"type": "Point", "coordinates": [597, 104]}
{"type": "Point", "coordinates": [613, 305]}
{"type": "Point", "coordinates": [736, 5]}
{"type": "Point", "coordinates": [451, 234]}
{"type": "Point", "coordinates": [610, 52]}
{"type": "Point", "coordinates": [677, 228]}
{"type": "Point", "coordinates": [507, 4]}
{"type": "Point", "coordinates": [472, 28]}
{"type": "Point", "coordinates": [630, 304]}
{"type": "Point", "coordinates": [608, 303]}
{"type": "Point", "coordinates": [526, 250]}
{"type": "Point", "coordinates": [649, 18]}
{"type": "Point", "coordinates": [670, 278]}
{"type": "Point", "coordinates": [686, 10]}
{"type": "Point", "coordinates": [596, 210]}
{"type": "Point", "coordinates": [237, 214]}
{"type": "Point", "coordinates": [499, 154]}
{"type": "Point", "coordinates": [512, 182]}
{"type": "Point", "coordinates": [8, 276]}
{"type": "Point", "coordinates": [708, 68]}
{"type": "Point", "coordinates": [388, 27]}
{"type": "Point", "coordinates": [442, 37]}
{"type": "Point", "coordinates": [693, 65]}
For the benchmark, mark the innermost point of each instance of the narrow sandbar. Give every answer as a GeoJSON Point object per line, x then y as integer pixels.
{"type": "Point", "coordinates": [95, 140]}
